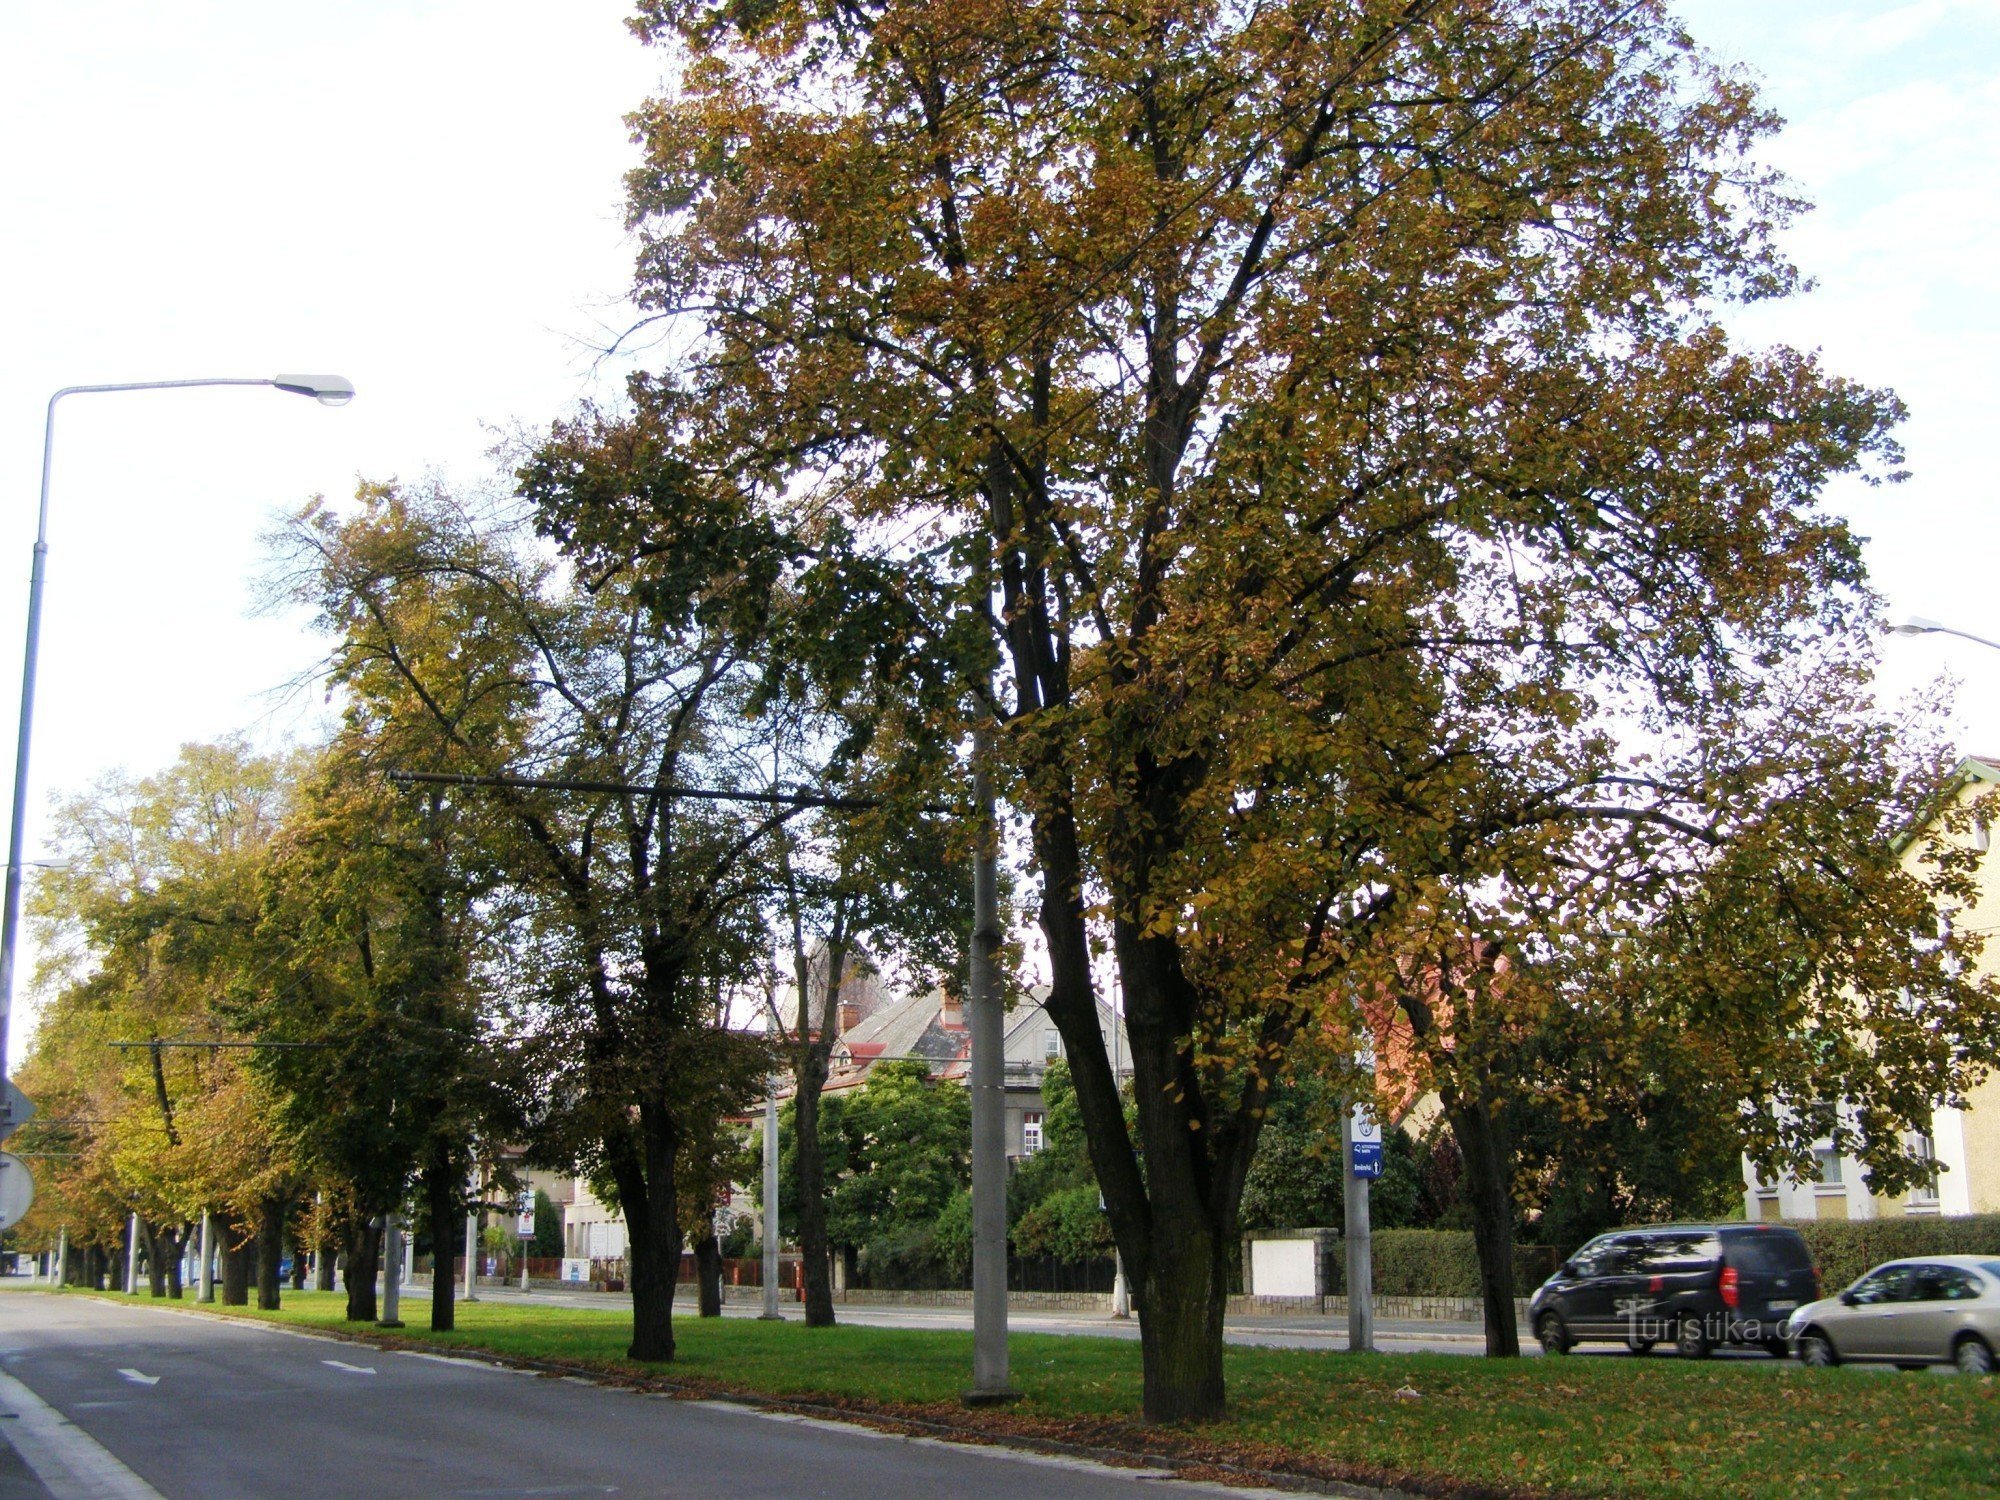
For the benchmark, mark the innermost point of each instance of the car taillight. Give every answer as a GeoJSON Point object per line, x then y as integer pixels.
{"type": "Point", "coordinates": [1657, 1284]}
{"type": "Point", "coordinates": [1727, 1286]}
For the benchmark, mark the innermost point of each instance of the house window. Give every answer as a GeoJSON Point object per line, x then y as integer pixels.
{"type": "Point", "coordinates": [1829, 1167]}
{"type": "Point", "coordinates": [1052, 1043]}
{"type": "Point", "coordinates": [1926, 1188]}
{"type": "Point", "coordinates": [1031, 1132]}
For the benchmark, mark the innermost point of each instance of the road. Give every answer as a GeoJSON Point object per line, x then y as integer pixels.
{"type": "Point", "coordinates": [110, 1402]}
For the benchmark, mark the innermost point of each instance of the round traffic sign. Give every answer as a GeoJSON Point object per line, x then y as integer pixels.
{"type": "Point", "coordinates": [17, 1189]}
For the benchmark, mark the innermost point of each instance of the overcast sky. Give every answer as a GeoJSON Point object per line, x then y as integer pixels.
{"type": "Point", "coordinates": [423, 195]}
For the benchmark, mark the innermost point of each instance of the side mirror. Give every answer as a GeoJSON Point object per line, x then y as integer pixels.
{"type": "Point", "coordinates": [1848, 1299]}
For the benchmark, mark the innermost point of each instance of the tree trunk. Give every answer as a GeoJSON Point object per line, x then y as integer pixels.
{"type": "Point", "coordinates": [178, 1238]}
{"type": "Point", "coordinates": [809, 1175]}
{"type": "Point", "coordinates": [446, 1208]}
{"type": "Point", "coordinates": [92, 1264]}
{"type": "Point", "coordinates": [325, 1261]}
{"type": "Point", "coordinates": [236, 1258]}
{"type": "Point", "coordinates": [298, 1267]}
{"type": "Point", "coordinates": [364, 1246]}
{"type": "Point", "coordinates": [1482, 1146]}
{"type": "Point", "coordinates": [157, 1243]}
{"type": "Point", "coordinates": [270, 1248]}
{"type": "Point", "coordinates": [644, 1171]}
{"type": "Point", "coordinates": [708, 1273]}
{"type": "Point", "coordinates": [1180, 1305]}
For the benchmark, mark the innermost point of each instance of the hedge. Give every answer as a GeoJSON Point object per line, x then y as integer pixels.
{"type": "Point", "coordinates": [1445, 1263]}
{"type": "Point", "coordinates": [1844, 1248]}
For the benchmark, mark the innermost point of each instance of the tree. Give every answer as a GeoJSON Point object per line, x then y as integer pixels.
{"type": "Point", "coordinates": [385, 1056]}
{"type": "Point", "coordinates": [470, 652]}
{"type": "Point", "coordinates": [1380, 526]}
{"type": "Point", "coordinates": [151, 915]}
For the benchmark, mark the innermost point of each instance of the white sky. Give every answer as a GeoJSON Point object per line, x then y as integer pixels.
{"type": "Point", "coordinates": [424, 196]}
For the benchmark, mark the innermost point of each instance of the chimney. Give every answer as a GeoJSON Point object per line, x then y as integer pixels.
{"type": "Point", "coordinates": [951, 1013]}
{"type": "Point", "coordinates": [850, 1016]}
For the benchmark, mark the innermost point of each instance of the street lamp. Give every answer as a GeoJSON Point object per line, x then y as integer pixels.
{"type": "Point", "coordinates": [1918, 625]}
{"type": "Point", "coordinates": [328, 390]}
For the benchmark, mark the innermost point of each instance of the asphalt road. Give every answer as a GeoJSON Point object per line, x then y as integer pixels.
{"type": "Point", "coordinates": [109, 1402]}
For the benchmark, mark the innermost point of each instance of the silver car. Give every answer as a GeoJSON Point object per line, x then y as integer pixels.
{"type": "Point", "coordinates": [1934, 1309]}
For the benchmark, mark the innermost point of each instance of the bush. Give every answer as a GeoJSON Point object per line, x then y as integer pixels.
{"type": "Point", "coordinates": [1445, 1263]}
{"type": "Point", "coordinates": [1067, 1226]}
{"type": "Point", "coordinates": [1844, 1248]}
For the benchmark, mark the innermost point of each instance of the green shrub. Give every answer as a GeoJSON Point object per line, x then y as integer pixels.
{"type": "Point", "coordinates": [1445, 1263]}
{"type": "Point", "coordinates": [1844, 1248]}
{"type": "Point", "coordinates": [1067, 1225]}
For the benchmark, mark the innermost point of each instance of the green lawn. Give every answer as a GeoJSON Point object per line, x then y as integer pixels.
{"type": "Point", "coordinates": [1603, 1426]}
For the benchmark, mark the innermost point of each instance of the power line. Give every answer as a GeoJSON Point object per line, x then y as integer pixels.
{"type": "Point", "coordinates": [627, 789]}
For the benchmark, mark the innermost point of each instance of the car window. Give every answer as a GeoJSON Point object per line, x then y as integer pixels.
{"type": "Point", "coordinates": [1991, 1268]}
{"type": "Point", "coordinates": [1768, 1251]}
{"type": "Point", "coordinates": [1889, 1284]}
{"type": "Point", "coordinates": [1592, 1256]}
{"type": "Point", "coordinates": [1666, 1254]}
{"type": "Point", "coordinates": [1943, 1284]}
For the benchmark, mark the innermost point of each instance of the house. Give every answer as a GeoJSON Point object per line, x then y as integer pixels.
{"type": "Point", "coordinates": [932, 1028]}
{"type": "Point", "coordinates": [1964, 1142]}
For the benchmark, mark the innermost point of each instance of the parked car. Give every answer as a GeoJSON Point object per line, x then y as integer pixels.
{"type": "Point", "coordinates": [1695, 1285]}
{"type": "Point", "coordinates": [1936, 1309]}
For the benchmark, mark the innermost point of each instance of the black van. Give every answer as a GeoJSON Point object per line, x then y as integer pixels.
{"type": "Point", "coordinates": [1698, 1285]}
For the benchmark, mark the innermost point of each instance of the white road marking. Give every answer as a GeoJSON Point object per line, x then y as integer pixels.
{"type": "Point", "coordinates": [351, 1369]}
{"type": "Point", "coordinates": [68, 1460]}
{"type": "Point", "coordinates": [137, 1379]}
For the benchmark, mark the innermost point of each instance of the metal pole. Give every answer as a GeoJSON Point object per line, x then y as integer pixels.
{"type": "Point", "coordinates": [392, 1272]}
{"type": "Point", "coordinates": [62, 1256]}
{"type": "Point", "coordinates": [771, 1199]}
{"type": "Point", "coordinates": [471, 1265]}
{"type": "Point", "coordinates": [205, 1280]}
{"type": "Point", "coordinates": [10, 913]}
{"type": "Point", "coordinates": [1360, 1251]}
{"type": "Point", "coordinates": [989, 1102]}
{"type": "Point", "coordinates": [132, 1256]}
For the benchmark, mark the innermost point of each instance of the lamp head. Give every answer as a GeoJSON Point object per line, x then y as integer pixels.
{"type": "Point", "coordinates": [1915, 625]}
{"type": "Point", "coordinates": [328, 390]}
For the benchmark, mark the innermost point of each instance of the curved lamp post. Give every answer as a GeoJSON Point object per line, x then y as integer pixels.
{"type": "Point", "coordinates": [1918, 625]}
{"type": "Point", "coordinates": [328, 390]}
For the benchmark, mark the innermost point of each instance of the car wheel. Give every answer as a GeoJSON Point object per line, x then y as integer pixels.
{"type": "Point", "coordinates": [1690, 1341]}
{"type": "Point", "coordinates": [1972, 1356]}
{"type": "Point", "coordinates": [1554, 1337]}
{"type": "Point", "coordinates": [1816, 1351]}
{"type": "Point", "coordinates": [1641, 1346]}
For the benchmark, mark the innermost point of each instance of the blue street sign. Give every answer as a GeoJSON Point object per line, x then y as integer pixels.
{"type": "Point", "coordinates": [1367, 1158]}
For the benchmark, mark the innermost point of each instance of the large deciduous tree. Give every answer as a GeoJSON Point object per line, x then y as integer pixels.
{"type": "Point", "coordinates": [1381, 527]}
{"type": "Point", "coordinates": [470, 651]}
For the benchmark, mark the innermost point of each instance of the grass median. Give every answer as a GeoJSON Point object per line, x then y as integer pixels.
{"type": "Point", "coordinates": [1592, 1425]}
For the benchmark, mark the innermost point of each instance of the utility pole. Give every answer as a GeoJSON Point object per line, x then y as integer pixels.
{"type": "Point", "coordinates": [471, 1264]}
{"type": "Point", "coordinates": [989, 1101]}
{"type": "Point", "coordinates": [205, 1277]}
{"type": "Point", "coordinates": [132, 1256]}
{"type": "Point", "coordinates": [62, 1256]}
{"type": "Point", "coordinates": [392, 1272]}
{"type": "Point", "coordinates": [770, 1225]}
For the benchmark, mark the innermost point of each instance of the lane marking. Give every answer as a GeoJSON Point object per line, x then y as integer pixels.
{"type": "Point", "coordinates": [69, 1461]}
{"type": "Point", "coordinates": [351, 1369]}
{"type": "Point", "coordinates": [137, 1379]}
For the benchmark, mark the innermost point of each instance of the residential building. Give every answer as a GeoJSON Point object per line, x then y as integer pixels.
{"type": "Point", "coordinates": [1965, 1142]}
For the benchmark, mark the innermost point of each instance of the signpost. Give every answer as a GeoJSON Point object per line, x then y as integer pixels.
{"type": "Point", "coordinates": [524, 1229]}
{"type": "Point", "coordinates": [1361, 1150]}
